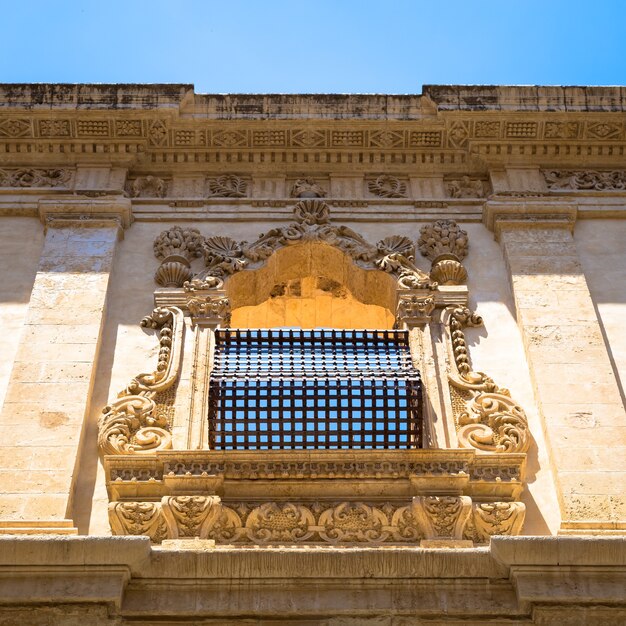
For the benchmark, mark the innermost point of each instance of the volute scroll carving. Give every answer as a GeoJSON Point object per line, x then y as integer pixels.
{"type": "Point", "coordinates": [487, 418]}
{"type": "Point", "coordinates": [134, 422]}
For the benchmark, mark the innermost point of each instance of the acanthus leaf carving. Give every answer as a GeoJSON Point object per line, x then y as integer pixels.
{"type": "Point", "coordinates": [586, 180]}
{"type": "Point", "coordinates": [497, 518]}
{"type": "Point", "coordinates": [225, 256]}
{"type": "Point", "coordinates": [227, 186]}
{"type": "Point", "coordinates": [414, 308]}
{"type": "Point", "coordinates": [190, 516]}
{"type": "Point", "coordinates": [442, 517]}
{"type": "Point", "coordinates": [133, 423]}
{"type": "Point", "coordinates": [279, 522]}
{"type": "Point", "coordinates": [353, 521]}
{"type": "Point", "coordinates": [486, 416]}
{"type": "Point", "coordinates": [138, 518]}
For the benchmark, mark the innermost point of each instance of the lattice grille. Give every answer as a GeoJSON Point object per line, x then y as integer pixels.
{"type": "Point", "coordinates": [315, 389]}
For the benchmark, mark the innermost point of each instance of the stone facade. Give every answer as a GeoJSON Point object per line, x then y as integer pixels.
{"type": "Point", "coordinates": [484, 222]}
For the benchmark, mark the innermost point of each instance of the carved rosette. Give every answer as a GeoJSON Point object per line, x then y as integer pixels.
{"type": "Point", "coordinates": [207, 517]}
{"type": "Point", "coordinates": [135, 423]}
{"type": "Point", "coordinates": [445, 244]}
{"type": "Point", "coordinates": [176, 247]}
{"type": "Point", "coordinates": [486, 417]}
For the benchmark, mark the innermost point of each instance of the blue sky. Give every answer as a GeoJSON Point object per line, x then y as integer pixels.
{"type": "Point", "coordinates": [315, 46]}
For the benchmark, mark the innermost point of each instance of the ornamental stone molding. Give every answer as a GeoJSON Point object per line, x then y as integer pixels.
{"type": "Point", "coordinates": [35, 177]}
{"type": "Point", "coordinates": [486, 416]}
{"type": "Point", "coordinates": [442, 518]}
{"type": "Point", "coordinates": [386, 186]}
{"type": "Point", "coordinates": [140, 420]}
{"type": "Point", "coordinates": [586, 180]}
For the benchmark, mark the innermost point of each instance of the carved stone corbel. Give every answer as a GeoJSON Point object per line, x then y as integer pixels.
{"type": "Point", "coordinates": [486, 417]}
{"type": "Point", "coordinates": [413, 309]}
{"type": "Point", "coordinates": [442, 517]}
{"type": "Point", "coordinates": [445, 245]}
{"type": "Point", "coordinates": [139, 421]}
{"type": "Point", "coordinates": [496, 518]}
{"type": "Point", "coordinates": [190, 516]}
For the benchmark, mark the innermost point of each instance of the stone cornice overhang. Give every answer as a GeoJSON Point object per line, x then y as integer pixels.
{"type": "Point", "coordinates": [131, 578]}
{"type": "Point", "coordinates": [449, 129]}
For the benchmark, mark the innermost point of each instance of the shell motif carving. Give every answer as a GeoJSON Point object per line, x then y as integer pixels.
{"type": "Point", "coordinates": [487, 418]}
{"type": "Point", "coordinates": [386, 186]}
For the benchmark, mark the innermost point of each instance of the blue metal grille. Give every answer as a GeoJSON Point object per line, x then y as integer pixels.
{"type": "Point", "coordinates": [313, 389]}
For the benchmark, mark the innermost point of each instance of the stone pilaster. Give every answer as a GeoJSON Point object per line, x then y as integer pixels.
{"type": "Point", "coordinates": [49, 391]}
{"type": "Point", "coordinates": [575, 386]}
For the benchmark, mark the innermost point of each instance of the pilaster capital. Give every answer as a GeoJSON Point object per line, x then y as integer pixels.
{"type": "Point", "coordinates": [516, 213]}
{"type": "Point", "coordinates": [72, 211]}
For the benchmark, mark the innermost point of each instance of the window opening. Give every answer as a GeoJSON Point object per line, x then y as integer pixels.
{"type": "Point", "coordinates": [313, 389]}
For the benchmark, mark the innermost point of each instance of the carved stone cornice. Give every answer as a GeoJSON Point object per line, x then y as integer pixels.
{"type": "Point", "coordinates": [63, 211]}
{"type": "Point", "coordinates": [516, 213]}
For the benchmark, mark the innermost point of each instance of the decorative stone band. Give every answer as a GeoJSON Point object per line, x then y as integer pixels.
{"type": "Point", "coordinates": [486, 416]}
{"type": "Point", "coordinates": [139, 421]}
{"type": "Point", "coordinates": [426, 517]}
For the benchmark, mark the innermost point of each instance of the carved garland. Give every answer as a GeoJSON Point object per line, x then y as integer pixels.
{"type": "Point", "coordinates": [139, 421]}
{"type": "Point", "coordinates": [486, 416]}
{"type": "Point", "coordinates": [427, 517]}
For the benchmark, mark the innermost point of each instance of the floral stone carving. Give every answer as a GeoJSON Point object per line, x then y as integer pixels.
{"type": "Point", "coordinates": [445, 244]}
{"type": "Point", "coordinates": [227, 186]}
{"type": "Point", "coordinates": [486, 416]}
{"type": "Point", "coordinates": [139, 421]}
{"type": "Point", "coordinates": [225, 256]}
{"type": "Point", "coordinates": [386, 186]}
{"type": "Point", "coordinates": [207, 517]}
{"type": "Point", "coordinates": [591, 180]}
{"type": "Point", "coordinates": [35, 177]}
{"type": "Point", "coordinates": [176, 247]}
{"type": "Point", "coordinates": [307, 188]}
{"type": "Point", "coordinates": [147, 187]}
{"type": "Point", "coordinates": [466, 187]}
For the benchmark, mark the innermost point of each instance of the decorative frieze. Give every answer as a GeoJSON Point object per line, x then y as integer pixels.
{"type": "Point", "coordinates": [345, 522]}
{"type": "Point", "coordinates": [35, 177]}
{"type": "Point", "coordinates": [587, 180]}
